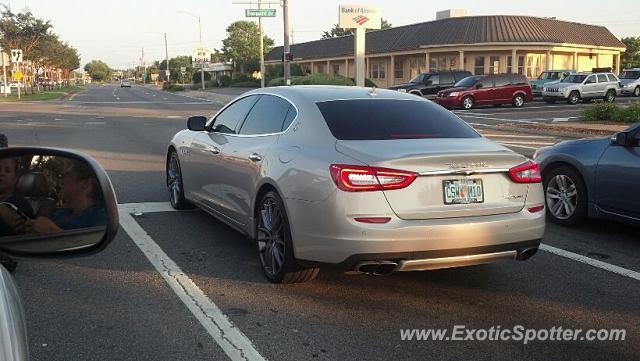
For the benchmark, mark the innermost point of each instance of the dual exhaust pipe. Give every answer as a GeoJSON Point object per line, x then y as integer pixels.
{"type": "Point", "coordinates": [385, 267]}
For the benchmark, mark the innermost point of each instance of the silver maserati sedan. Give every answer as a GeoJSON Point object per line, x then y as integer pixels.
{"type": "Point", "coordinates": [367, 180]}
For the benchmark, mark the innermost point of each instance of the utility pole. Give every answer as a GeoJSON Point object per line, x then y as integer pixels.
{"type": "Point", "coordinates": [202, 66]}
{"type": "Point", "coordinates": [144, 69]}
{"type": "Point", "coordinates": [261, 47]}
{"type": "Point", "coordinates": [287, 49]}
{"type": "Point", "coordinates": [166, 55]}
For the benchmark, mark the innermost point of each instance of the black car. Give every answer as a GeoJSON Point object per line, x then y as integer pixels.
{"type": "Point", "coordinates": [429, 84]}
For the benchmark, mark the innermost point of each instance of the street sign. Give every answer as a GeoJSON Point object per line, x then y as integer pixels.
{"type": "Point", "coordinates": [201, 55]}
{"type": "Point", "coordinates": [183, 69]}
{"type": "Point", "coordinates": [16, 55]}
{"type": "Point", "coordinates": [17, 75]}
{"type": "Point", "coordinates": [353, 16]}
{"type": "Point", "coordinates": [260, 13]}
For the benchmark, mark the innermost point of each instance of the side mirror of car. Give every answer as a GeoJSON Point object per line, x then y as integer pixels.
{"type": "Point", "coordinates": [60, 203]}
{"type": "Point", "coordinates": [196, 123]}
{"type": "Point", "coordinates": [479, 86]}
{"type": "Point", "coordinates": [620, 138]}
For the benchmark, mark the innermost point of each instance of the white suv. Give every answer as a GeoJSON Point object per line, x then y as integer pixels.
{"type": "Point", "coordinates": [585, 86]}
{"type": "Point", "coordinates": [630, 79]}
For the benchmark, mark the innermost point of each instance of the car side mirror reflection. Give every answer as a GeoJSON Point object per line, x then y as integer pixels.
{"type": "Point", "coordinates": [53, 203]}
{"type": "Point", "coordinates": [196, 123]}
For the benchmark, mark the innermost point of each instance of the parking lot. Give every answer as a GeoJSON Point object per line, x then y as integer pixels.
{"type": "Point", "coordinates": [180, 285]}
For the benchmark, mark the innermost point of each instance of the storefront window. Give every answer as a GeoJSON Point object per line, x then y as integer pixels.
{"type": "Point", "coordinates": [321, 68]}
{"type": "Point", "coordinates": [398, 69]}
{"type": "Point", "coordinates": [377, 69]}
{"type": "Point", "coordinates": [336, 69]}
{"type": "Point", "coordinates": [416, 66]}
{"type": "Point", "coordinates": [479, 67]}
{"type": "Point", "coordinates": [520, 65]}
{"type": "Point", "coordinates": [534, 65]}
{"type": "Point", "coordinates": [494, 65]}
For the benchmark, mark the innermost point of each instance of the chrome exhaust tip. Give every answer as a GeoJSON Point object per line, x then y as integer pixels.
{"type": "Point", "coordinates": [378, 268]}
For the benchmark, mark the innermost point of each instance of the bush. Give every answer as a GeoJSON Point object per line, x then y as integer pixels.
{"type": "Point", "coordinates": [197, 77]}
{"type": "Point", "coordinates": [612, 112]}
{"type": "Point", "coordinates": [367, 83]}
{"type": "Point", "coordinates": [225, 81]}
{"type": "Point", "coordinates": [172, 87]}
{"type": "Point", "coordinates": [314, 79]}
{"type": "Point", "coordinates": [211, 84]}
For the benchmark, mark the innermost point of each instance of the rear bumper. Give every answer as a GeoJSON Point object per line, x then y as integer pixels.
{"type": "Point", "coordinates": [324, 236]}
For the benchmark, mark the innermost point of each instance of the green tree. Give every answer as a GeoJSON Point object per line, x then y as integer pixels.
{"type": "Point", "coordinates": [21, 30]}
{"type": "Point", "coordinates": [631, 57]}
{"type": "Point", "coordinates": [338, 31]}
{"type": "Point", "coordinates": [98, 70]}
{"type": "Point", "coordinates": [243, 43]}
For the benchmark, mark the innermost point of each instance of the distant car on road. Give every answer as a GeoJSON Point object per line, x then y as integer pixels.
{"type": "Point", "coordinates": [548, 77]}
{"type": "Point", "coordinates": [583, 86]}
{"type": "Point", "coordinates": [125, 83]}
{"type": "Point", "coordinates": [429, 84]}
{"type": "Point", "coordinates": [630, 79]}
{"type": "Point", "coordinates": [495, 89]}
{"type": "Point", "coordinates": [373, 181]}
{"type": "Point", "coordinates": [597, 178]}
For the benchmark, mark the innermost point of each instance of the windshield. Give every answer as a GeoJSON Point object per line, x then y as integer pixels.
{"type": "Point", "coordinates": [574, 78]}
{"type": "Point", "coordinates": [549, 75]}
{"type": "Point", "coordinates": [630, 74]}
{"type": "Point", "coordinates": [468, 81]}
{"type": "Point", "coordinates": [417, 78]}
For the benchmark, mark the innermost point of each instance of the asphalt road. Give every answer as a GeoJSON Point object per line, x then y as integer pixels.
{"type": "Point", "coordinates": [117, 306]}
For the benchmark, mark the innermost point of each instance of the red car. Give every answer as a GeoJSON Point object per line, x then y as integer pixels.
{"type": "Point", "coordinates": [494, 89]}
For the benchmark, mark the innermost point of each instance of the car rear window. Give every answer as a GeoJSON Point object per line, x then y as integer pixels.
{"type": "Point", "coordinates": [382, 119]}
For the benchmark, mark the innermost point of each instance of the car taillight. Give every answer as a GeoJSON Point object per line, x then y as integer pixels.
{"type": "Point", "coordinates": [528, 172]}
{"type": "Point", "coordinates": [356, 178]}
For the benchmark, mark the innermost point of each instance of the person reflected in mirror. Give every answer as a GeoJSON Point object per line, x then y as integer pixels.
{"type": "Point", "coordinates": [82, 204]}
{"type": "Point", "coordinates": [14, 209]}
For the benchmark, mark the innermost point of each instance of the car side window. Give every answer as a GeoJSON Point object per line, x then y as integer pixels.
{"type": "Point", "coordinates": [602, 78]}
{"type": "Point", "coordinates": [227, 121]}
{"type": "Point", "coordinates": [434, 80]}
{"type": "Point", "coordinates": [266, 117]}
{"type": "Point", "coordinates": [291, 115]}
{"type": "Point", "coordinates": [612, 78]}
{"type": "Point", "coordinates": [590, 80]}
{"type": "Point", "coordinates": [446, 78]}
{"type": "Point", "coordinates": [502, 81]}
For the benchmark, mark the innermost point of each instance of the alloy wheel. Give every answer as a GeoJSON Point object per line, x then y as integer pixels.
{"type": "Point", "coordinates": [467, 103]}
{"type": "Point", "coordinates": [271, 232]}
{"type": "Point", "coordinates": [573, 98]}
{"type": "Point", "coordinates": [562, 196]}
{"type": "Point", "coordinates": [174, 179]}
{"type": "Point", "coordinates": [636, 92]}
{"type": "Point", "coordinates": [518, 101]}
{"type": "Point", "coordinates": [611, 96]}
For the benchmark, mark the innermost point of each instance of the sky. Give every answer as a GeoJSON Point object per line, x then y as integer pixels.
{"type": "Point", "coordinates": [115, 31]}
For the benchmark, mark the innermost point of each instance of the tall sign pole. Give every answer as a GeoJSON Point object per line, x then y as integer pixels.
{"type": "Point", "coordinates": [202, 68]}
{"type": "Point", "coordinates": [287, 48]}
{"type": "Point", "coordinates": [360, 18]}
{"type": "Point", "coordinates": [261, 46]}
{"type": "Point", "coordinates": [4, 73]}
{"type": "Point", "coordinates": [166, 55]}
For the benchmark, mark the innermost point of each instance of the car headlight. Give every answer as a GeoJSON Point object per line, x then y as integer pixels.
{"type": "Point", "coordinates": [454, 94]}
{"type": "Point", "coordinates": [402, 90]}
{"type": "Point", "coordinates": [539, 151]}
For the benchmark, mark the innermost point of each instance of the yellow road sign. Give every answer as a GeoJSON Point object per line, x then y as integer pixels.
{"type": "Point", "coordinates": [17, 75]}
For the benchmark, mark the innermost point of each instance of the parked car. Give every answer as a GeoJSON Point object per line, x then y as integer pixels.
{"type": "Point", "coordinates": [369, 180]}
{"type": "Point", "coordinates": [16, 84]}
{"type": "Point", "coordinates": [595, 178]}
{"type": "Point", "coordinates": [630, 79]}
{"type": "Point", "coordinates": [67, 241]}
{"type": "Point", "coordinates": [547, 78]}
{"type": "Point", "coordinates": [496, 89]}
{"type": "Point", "coordinates": [429, 84]}
{"type": "Point", "coordinates": [583, 86]}
{"type": "Point", "coordinates": [125, 83]}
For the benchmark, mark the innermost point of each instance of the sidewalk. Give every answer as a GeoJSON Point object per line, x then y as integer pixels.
{"type": "Point", "coordinates": [567, 129]}
{"type": "Point", "coordinates": [223, 95]}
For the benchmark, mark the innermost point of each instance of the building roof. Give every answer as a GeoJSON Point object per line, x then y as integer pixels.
{"type": "Point", "coordinates": [466, 30]}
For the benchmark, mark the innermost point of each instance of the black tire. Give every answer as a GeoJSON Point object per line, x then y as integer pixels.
{"type": "Point", "coordinates": [518, 101]}
{"type": "Point", "coordinates": [574, 98]}
{"type": "Point", "coordinates": [274, 240]}
{"type": "Point", "coordinates": [636, 91]}
{"type": "Point", "coordinates": [175, 186]}
{"type": "Point", "coordinates": [560, 215]}
{"type": "Point", "coordinates": [467, 102]}
{"type": "Point", "coordinates": [610, 96]}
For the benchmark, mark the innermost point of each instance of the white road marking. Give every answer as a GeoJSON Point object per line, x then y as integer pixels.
{"type": "Point", "coordinates": [591, 262]}
{"type": "Point", "coordinates": [175, 116]}
{"type": "Point", "coordinates": [232, 341]}
{"type": "Point", "coordinates": [518, 136]}
{"type": "Point", "coordinates": [58, 119]}
{"type": "Point", "coordinates": [94, 123]}
{"type": "Point", "coordinates": [147, 102]}
{"type": "Point", "coordinates": [561, 119]}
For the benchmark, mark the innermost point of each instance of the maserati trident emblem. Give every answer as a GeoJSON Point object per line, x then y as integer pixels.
{"type": "Point", "coordinates": [467, 165]}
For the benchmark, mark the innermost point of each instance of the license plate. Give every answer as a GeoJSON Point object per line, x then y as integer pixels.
{"type": "Point", "coordinates": [463, 191]}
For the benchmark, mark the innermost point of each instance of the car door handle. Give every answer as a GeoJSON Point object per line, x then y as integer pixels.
{"type": "Point", "coordinates": [255, 157]}
{"type": "Point", "coordinates": [214, 150]}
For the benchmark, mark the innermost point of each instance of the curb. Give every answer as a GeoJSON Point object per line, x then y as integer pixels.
{"type": "Point", "coordinates": [558, 132]}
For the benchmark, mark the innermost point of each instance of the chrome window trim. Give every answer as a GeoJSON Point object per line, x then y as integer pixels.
{"type": "Point", "coordinates": [463, 171]}
{"type": "Point", "coordinates": [212, 120]}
